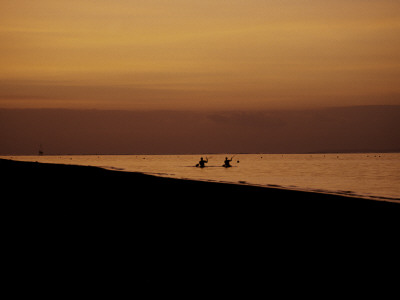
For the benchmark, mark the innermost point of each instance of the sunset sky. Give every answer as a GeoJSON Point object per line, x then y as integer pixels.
{"type": "Point", "coordinates": [199, 55]}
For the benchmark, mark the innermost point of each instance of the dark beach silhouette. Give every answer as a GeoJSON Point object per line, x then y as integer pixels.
{"type": "Point", "coordinates": [164, 233]}
{"type": "Point", "coordinates": [52, 181]}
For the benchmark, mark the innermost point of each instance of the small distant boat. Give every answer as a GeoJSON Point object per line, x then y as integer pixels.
{"type": "Point", "coordinates": [40, 150]}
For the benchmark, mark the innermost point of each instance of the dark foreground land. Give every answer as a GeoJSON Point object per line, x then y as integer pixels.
{"type": "Point", "coordinates": [162, 233]}
{"type": "Point", "coordinates": [66, 186]}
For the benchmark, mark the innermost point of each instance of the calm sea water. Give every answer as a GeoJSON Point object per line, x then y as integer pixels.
{"type": "Point", "coordinates": [368, 175]}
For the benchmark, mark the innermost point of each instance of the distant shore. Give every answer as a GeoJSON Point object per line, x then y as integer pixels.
{"type": "Point", "coordinates": [376, 151]}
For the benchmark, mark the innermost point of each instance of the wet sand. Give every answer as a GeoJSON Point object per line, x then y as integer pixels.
{"type": "Point", "coordinates": [173, 233]}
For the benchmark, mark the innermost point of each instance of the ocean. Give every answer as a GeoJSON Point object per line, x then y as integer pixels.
{"type": "Point", "coordinates": [366, 175]}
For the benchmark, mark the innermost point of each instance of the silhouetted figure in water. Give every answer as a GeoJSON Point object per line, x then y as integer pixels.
{"type": "Point", "coordinates": [202, 162]}
{"type": "Point", "coordinates": [227, 162]}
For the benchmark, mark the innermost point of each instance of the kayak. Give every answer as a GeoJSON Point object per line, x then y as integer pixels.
{"type": "Point", "coordinates": [198, 166]}
{"type": "Point", "coordinates": [223, 166]}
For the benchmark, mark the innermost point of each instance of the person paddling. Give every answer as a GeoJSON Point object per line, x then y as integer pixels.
{"type": "Point", "coordinates": [202, 162]}
{"type": "Point", "coordinates": [227, 162]}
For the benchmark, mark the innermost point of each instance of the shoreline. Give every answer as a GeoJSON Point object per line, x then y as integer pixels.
{"type": "Point", "coordinates": [324, 193]}
{"type": "Point", "coordinates": [34, 173]}
{"type": "Point", "coordinates": [171, 232]}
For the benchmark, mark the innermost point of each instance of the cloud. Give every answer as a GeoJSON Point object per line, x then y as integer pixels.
{"type": "Point", "coordinates": [364, 128]}
{"type": "Point", "coordinates": [247, 55]}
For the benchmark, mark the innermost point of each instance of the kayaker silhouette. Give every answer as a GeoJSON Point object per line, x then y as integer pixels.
{"type": "Point", "coordinates": [202, 162]}
{"type": "Point", "coordinates": [227, 162]}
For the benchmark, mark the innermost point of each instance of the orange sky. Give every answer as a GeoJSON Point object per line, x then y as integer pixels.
{"type": "Point", "coordinates": [208, 54]}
